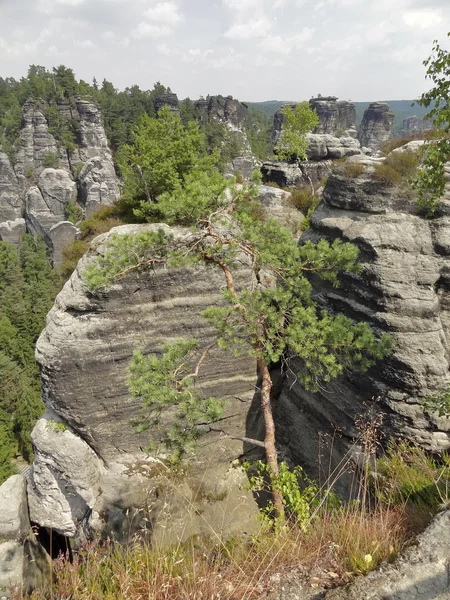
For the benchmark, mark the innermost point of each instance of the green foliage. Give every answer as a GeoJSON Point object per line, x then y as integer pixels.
{"type": "Point", "coordinates": [297, 123]}
{"type": "Point", "coordinates": [28, 286]}
{"type": "Point", "coordinates": [163, 154]}
{"type": "Point", "coordinates": [173, 409]}
{"type": "Point", "coordinates": [439, 403]}
{"type": "Point", "coordinates": [430, 181]}
{"type": "Point", "coordinates": [258, 127]}
{"type": "Point", "coordinates": [7, 446]}
{"type": "Point", "coordinates": [74, 213]}
{"type": "Point", "coordinates": [302, 497]}
{"type": "Point", "coordinates": [406, 474]}
{"type": "Point", "coordinates": [51, 160]}
{"type": "Point", "coordinates": [126, 253]}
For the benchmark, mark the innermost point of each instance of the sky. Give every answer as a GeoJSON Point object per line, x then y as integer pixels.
{"type": "Point", "coordinates": [254, 50]}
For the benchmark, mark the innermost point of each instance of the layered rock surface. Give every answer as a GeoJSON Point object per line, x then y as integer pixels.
{"type": "Point", "coordinates": [24, 564]}
{"type": "Point", "coordinates": [92, 469]}
{"type": "Point", "coordinates": [47, 177]}
{"type": "Point", "coordinates": [403, 289]}
{"type": "Point", "coordinates": [376, 126]}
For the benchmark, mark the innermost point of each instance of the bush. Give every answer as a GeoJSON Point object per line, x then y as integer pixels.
{"type": "Point", "coordinates": [354, 169]}
{"type": "Point", "coordinates": [74, 213]}
{"type": "Point", "coordinates": [385, 173]}
{"type": "Point", "coordinates": [71, 255]}
{"type": "Point", "coordinates": [51, 160]}
{"type": "Point", "coordinates": [406, 163]}
{"type": "Point", "coordinates": [302, 198]}
{"type": "Point", "coordinates": [100, 222]}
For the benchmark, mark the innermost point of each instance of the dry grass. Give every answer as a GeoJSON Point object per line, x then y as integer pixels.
{"type": "Point", "coordinates": [354, 169]}
{"type": "Point", "coordinates": [338, 542]}
{"type": "Point", "coordinates": [100, 222]}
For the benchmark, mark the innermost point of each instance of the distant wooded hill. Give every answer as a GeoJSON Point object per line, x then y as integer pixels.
{"type": "Point", "coordinates": [401, 108]}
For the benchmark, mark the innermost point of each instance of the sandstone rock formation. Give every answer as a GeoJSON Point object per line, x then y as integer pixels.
{"type": "Point", "coordinates": [330, 147]}
{"type": "Point", "coordinates": [91, 471]}
{"type": "Point", "coordinates": [232, 113]}
{"type": "Point", "coordinates": [335, 117]}
{"type": "Point", "coordinates": [24, 564]}
{"type": "Point", "coordinates": [225, 109]}
{"type": "Point", "coordinates": [376, 126]}
{"type": "Point", "coordinates": [170, 100]}
{"type": "Point", "coordinates": [403, 289]}
{"type": "Point", "coordinates": [47, 177]}
{"type": "Point", "coordinates": [296, 175]}
{"type": "Point", "coordinates": [278, 205]}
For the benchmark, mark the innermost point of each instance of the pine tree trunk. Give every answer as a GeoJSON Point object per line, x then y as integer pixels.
{"type": "Point", "coordinates": [269, 439]}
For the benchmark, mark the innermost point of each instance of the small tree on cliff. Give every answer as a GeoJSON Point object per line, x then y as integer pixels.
{"type": "Point", "coordinates": [297, 122]}
{"type": "Point", "coordinates": [274, 317]}
{"type": "Point", "coordinates": [430, 182]}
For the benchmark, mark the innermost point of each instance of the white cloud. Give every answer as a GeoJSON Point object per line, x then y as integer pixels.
{"type": "Point", "coordinates": [148, 30]}
{"type": "Point", "coordinates": [109, 36]}
{"type": "Point", "coordinates": [85, 44]}
{"type": "Point", "coordinates": [246, 31]}
{"type": "Point", "coordinates": [244, 5]}
{"type": "Point", "coordinates": [49, 6]}
{"type": "Point", "coordinates": [285, 45]}
{"type": "Point", "coordinates": [164, 49]}
{"type": "Point", "coordinates": [165, 13]}
{"type": "Point", "coordinates": [422, 19]}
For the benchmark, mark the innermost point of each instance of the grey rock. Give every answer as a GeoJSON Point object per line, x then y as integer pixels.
{"type": "Point", "coordinates": [36, 142]}
{"type": "Point", "coordinates": [421, 573]}
{"type": "Point", "coordinates": [95, 474]}
{"type": "Point", "coordinates": [242, 166]}
{"type": "Point", "coordinates": [376, 126]}
{"type": "Point", "coordinates": [10, 201]}
{"type": "Point", "coordinates": [46, 202]}
{"type": "Point", "coordinates": [330, 147]}
{"type": "Point", "coordinates": [61, 235]}
{"type": "Point", "coordinates": [286, 174]}
{"type": "Point", "coordinates": [170, 100]}
{"type": "Point", "coordinates": [335, 117]}
{"type": "Point", "coordinates": [225, 109]}
{"type": "Point", "coordinates": [279, 206]}
{"type": "Point", "coordinates": [98, 185]}
{"type": "Point", "coordinates": [23, 562]}
{"type": "Point", "coordinates": [12, 231]}
{"type": "Point", "coordinates": [403, 290]}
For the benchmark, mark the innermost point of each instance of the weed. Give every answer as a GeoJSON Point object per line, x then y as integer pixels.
{"type": "Point", "coordinates": [406, 163]}
{"type": "Point", "coordinates": [51, 160]}
{"type": "Point", "coordinates": [385, 173]}
{"type": "Point", "coordinates": [354, 169]}
{"type": "Point", "coordinates": [302, 198]}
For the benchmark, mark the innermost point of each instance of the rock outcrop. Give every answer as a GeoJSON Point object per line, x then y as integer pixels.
{"type": "Point", "coordinates": [376, 126]}
{"type": "Point", "coordinates": [404, 290]}
{"type": "Point", "coordinates": [329, 147]}
{"type": "Point", "coordinates": [91, 471]}
{"type": "Point", "coordinates": [170, 100]}
{"type": "Point", "coordinates": [335, 117]}
{"type": "Point", "coordinates": [24, 564]}
{"type": "Point", "coordinates": [224, 109]}
{"type": "Point", "coordinates": [296, 175]}
{"type": "Point", "coordinates": [47, 177]}
{"type": "Point", "coordinates": [420, 573]}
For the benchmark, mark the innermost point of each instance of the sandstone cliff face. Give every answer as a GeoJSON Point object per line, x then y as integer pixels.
{"type": "Point", "coordinates": [335, 117]}
{"type": "Point", "coordinates": [91, 470]}
{"type": "Point", "coordinates": [225, 109]}
{"type": "Point", "coordinates": [376, 126]}
{"type": "Point", "coordinates": [404, 290]}
{"type": "Point", "coordinates": [47, 177]}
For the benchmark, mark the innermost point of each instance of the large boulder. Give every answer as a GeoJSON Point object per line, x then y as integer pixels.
{"type": "Point", "coordinates": [91, 470]}
{"type": "Point", "coordinates": [296, 175]}
{"type": "Point", "coordinates": [376, 126]}
{"type": "Point", "coordinates": [329, 147]}
{"type": "Point", "coordinates": [24, 564]}
{"type": "Point", "coordinates": [403, 290]}
{"type": "Point", "coordinates": [12, 231]}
